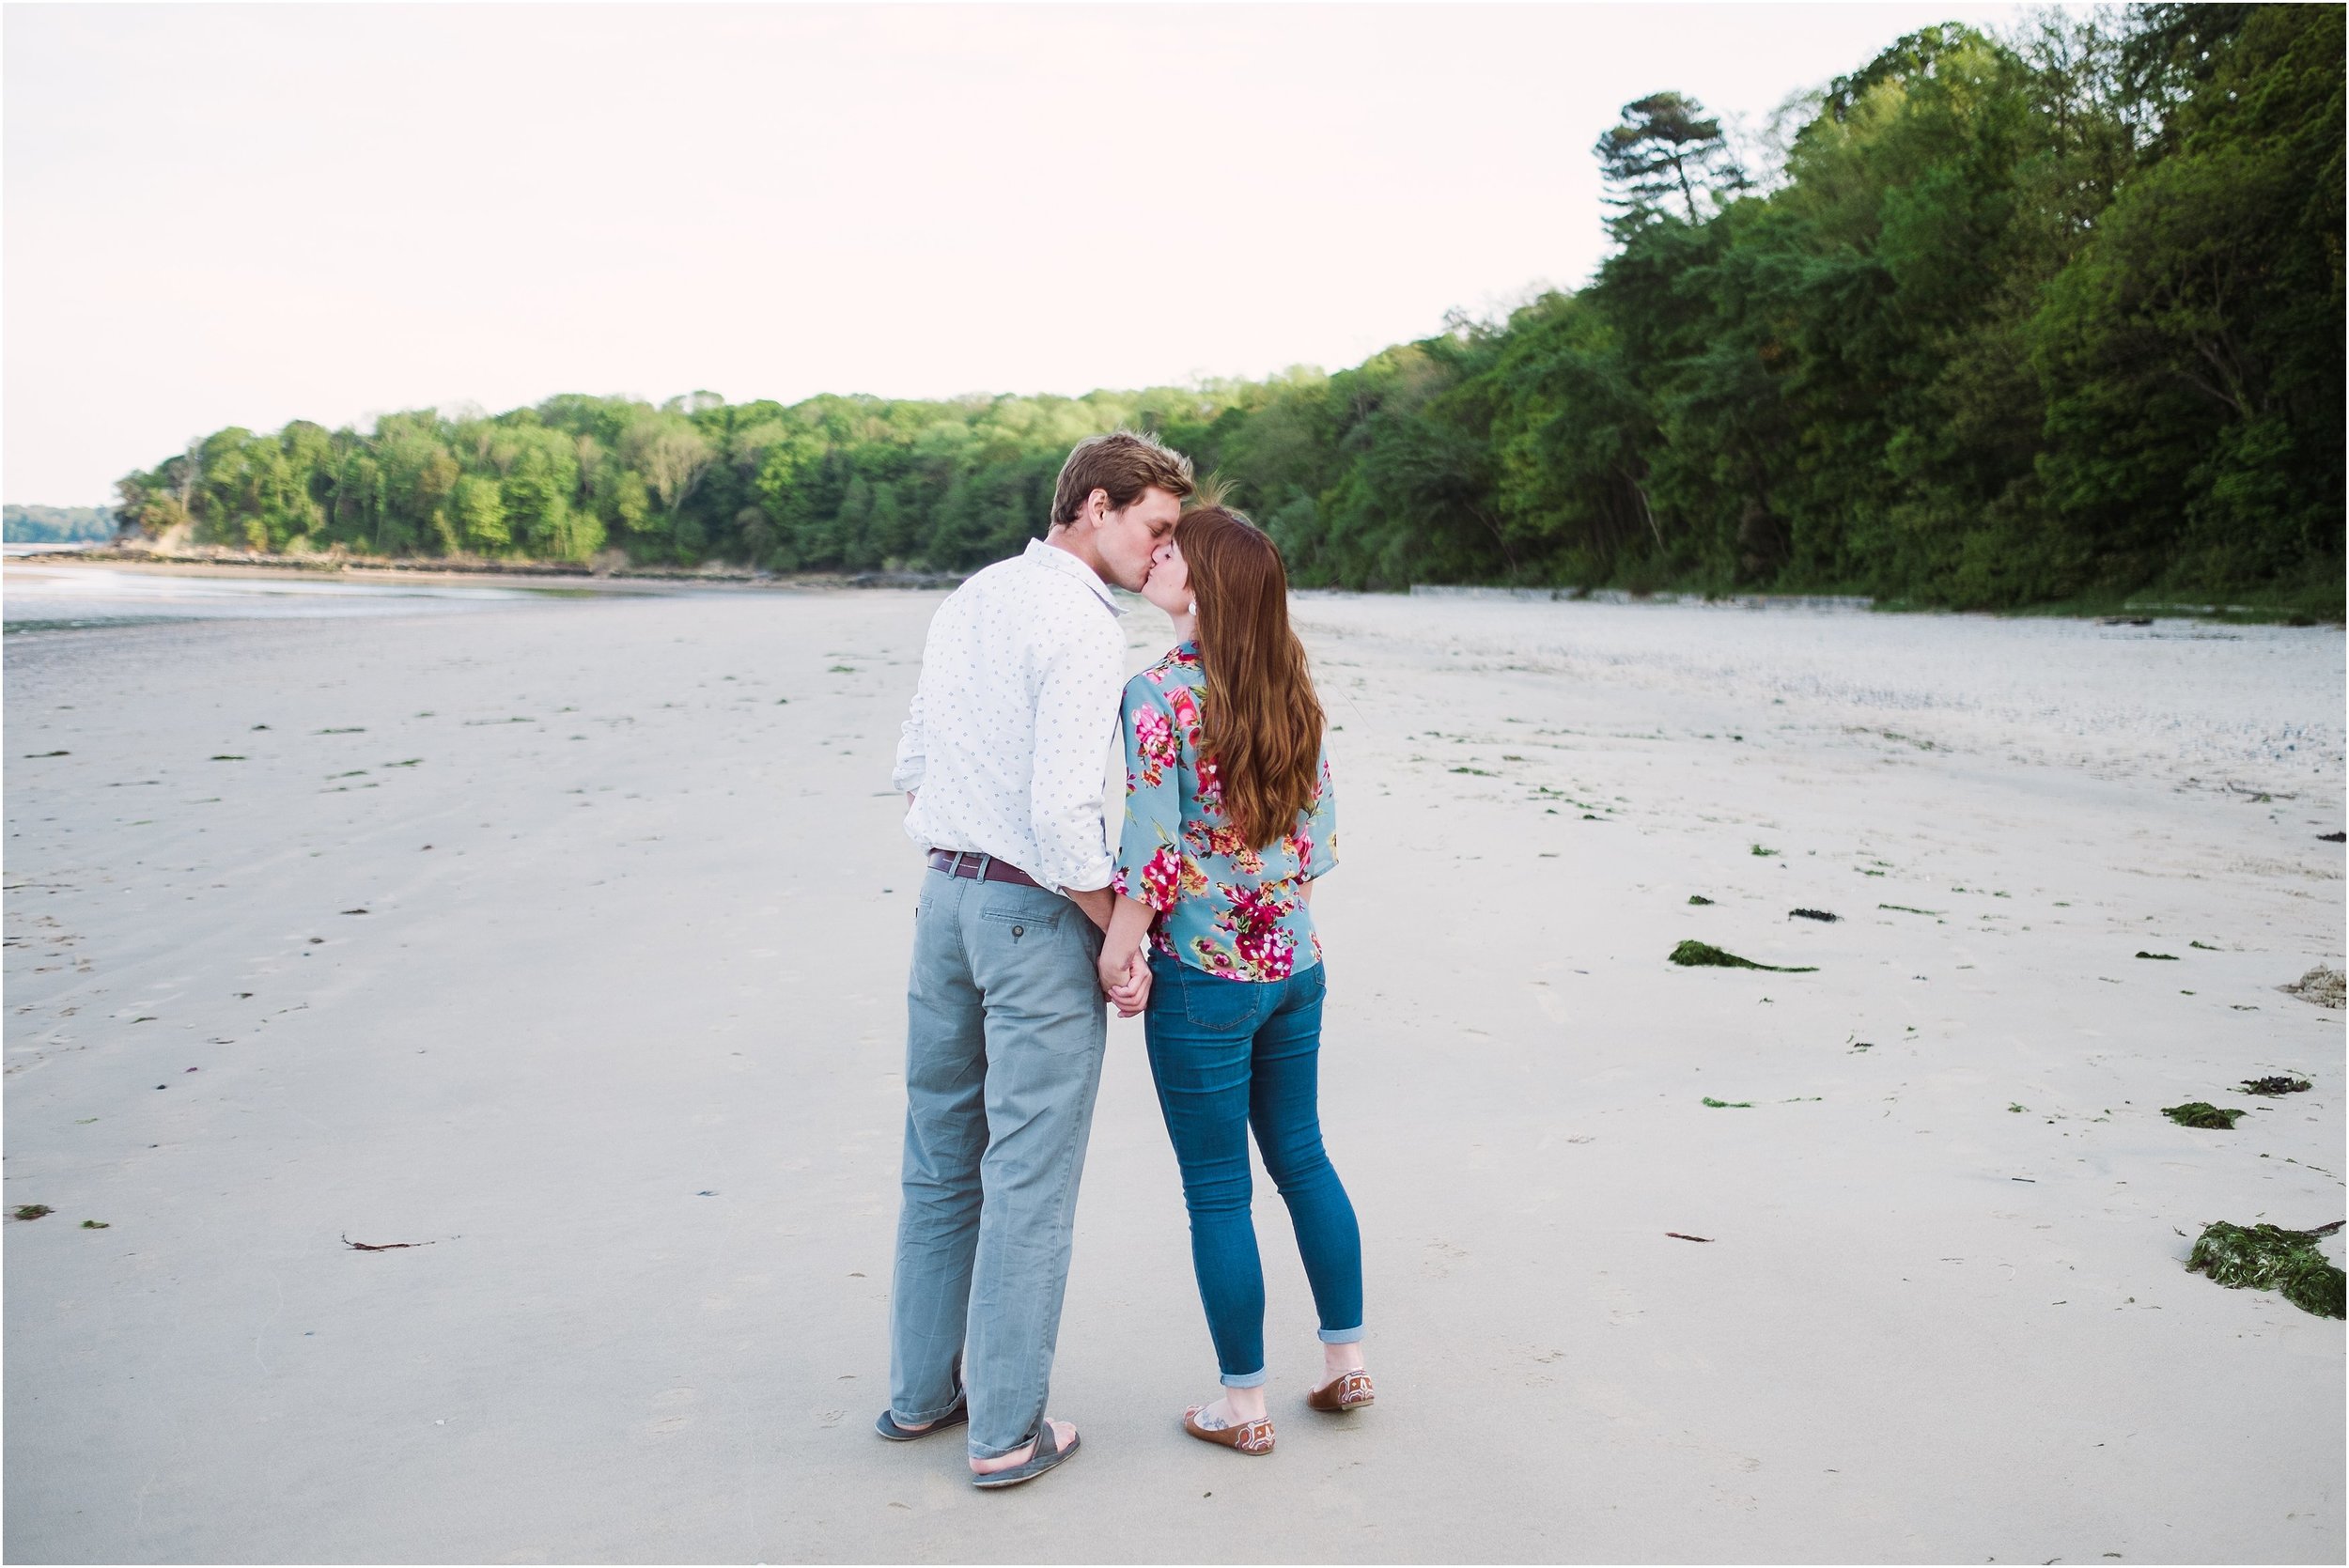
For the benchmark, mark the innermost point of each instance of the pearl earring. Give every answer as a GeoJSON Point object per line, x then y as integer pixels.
{"type": "Point", "coordinates": [1192, 609]}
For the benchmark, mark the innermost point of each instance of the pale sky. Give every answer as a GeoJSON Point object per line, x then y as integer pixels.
{"type": "Point", "coordinates": [243, 215]}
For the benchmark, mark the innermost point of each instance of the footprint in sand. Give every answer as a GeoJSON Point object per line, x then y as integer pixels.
{"type": "Point", "coordinates": [1445, 1253]}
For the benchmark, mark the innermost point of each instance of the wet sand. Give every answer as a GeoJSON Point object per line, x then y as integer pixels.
{"type": "Point", "coordinates": [564, 940]}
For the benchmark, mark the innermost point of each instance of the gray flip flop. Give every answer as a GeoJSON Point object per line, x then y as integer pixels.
{"type": "Point", "coordinates": [887, 1426]}
{"type": "Point", "coordinates": [1047, 1453]}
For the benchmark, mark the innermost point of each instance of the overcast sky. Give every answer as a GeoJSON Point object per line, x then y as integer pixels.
{"type": "Point", "coordinates": [221, 215]}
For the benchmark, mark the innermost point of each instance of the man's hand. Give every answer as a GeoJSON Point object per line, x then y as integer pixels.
{"type": "Point", "coordinates": [1098, 904]}
{"type": "Point", "coordinates": [1128, 984]}
{"type": "Point", "coordinates": [1124, 966]}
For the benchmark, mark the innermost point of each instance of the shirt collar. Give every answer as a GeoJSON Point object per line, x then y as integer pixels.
{"type": "Point", "coordinates": [1060, 560]}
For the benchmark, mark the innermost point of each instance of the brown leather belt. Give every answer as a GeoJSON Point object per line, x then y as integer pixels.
{"type": "Point", "coordinates": [972, 863]}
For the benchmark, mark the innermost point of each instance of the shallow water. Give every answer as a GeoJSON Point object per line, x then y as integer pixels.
{"type": "Point", "coordinates": [42, 598]}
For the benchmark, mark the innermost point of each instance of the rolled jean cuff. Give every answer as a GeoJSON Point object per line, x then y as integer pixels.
{"type": "Point", "coordinates": [1245, 1380]}
{"type": "Point", "coordinates": [931, 1418]}
{"type": "Point", "coordinates": [979, 1450]}
{"type": "Point", "coordinates": [1341, 1336]}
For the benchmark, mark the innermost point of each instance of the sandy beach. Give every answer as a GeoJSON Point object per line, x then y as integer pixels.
{"type": "Point", "coordinates": [558, 945]}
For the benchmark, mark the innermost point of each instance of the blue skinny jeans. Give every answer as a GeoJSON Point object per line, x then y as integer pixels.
{"type": "Point", "coordinates": [1229, 1055]}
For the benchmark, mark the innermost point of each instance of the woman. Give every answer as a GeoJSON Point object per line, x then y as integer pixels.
{"type": "Point", "coordinates": [1229, 819]}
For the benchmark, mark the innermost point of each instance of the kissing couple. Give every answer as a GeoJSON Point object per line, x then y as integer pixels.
{"type": "Point", "coordinates": [1194, 913]}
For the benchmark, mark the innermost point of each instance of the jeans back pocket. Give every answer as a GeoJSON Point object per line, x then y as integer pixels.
{"type": "Point", "coordinates": [1210, 1002]}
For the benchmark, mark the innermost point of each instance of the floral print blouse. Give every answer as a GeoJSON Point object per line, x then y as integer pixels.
{"type": "Point", "coordinates": [1223, 907]}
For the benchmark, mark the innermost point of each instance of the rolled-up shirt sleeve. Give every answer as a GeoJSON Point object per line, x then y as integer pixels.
{"type": "Point", "coordinates": [1076, 718]}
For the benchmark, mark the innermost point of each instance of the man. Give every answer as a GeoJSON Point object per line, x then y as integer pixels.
{"type": "Point", "coordinates": [1004, 761]}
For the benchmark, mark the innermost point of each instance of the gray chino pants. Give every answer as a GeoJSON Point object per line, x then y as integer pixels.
{"type": "Point", "coordinates": [1005, 1029]}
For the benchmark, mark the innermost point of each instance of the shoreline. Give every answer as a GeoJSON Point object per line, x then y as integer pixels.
{"type": "Point", "coordinates": [717, 575]}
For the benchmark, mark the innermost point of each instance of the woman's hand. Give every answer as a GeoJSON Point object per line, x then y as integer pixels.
{"type": "Point", "coordinates": [1128, 987]}
{"type": "Point", "coordinates": [1114, 968]}
{"type": "Point", "coordinates": [1124, 970]}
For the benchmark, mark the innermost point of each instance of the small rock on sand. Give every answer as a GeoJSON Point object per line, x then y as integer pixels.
{"type": "Point", "coordinates": [2321, 985]}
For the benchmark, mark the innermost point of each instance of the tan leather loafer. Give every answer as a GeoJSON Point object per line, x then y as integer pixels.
{"type": "Point", "coordinates": [1349, 1393]}
{"type": "Point", "coordinates": [1251, 1438]}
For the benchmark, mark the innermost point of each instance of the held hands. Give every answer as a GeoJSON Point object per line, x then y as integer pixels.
{"type": "Point", "coordinates": [1126, 980]}
{"type": "Point", "coordinates": [1124, 968]}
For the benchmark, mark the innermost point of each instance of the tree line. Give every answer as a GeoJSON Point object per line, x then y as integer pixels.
{"type": "Point", "coordinates": [35, 525]}
{"type": "Point", "coordinates": [1989, 322]}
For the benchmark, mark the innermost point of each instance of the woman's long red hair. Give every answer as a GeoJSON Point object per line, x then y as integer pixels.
{"type": "Point", "coordinates": [1262, 719]}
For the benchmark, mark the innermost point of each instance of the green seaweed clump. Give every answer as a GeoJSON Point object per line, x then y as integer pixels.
{"type": "Point", "coordinates": [1728, 1104]}
{"type": "Point", "coordinates": [1699, 898]}
{"type": "Point", "coordinates": [1702, 955]}
{"type": "Point", "coordinates": [32, 1211]}
{"type": "Point", "coordinates": [2202, 1113]}
{"type": "Point", "coordinates": [2166, 957]}
{"type": "Point", "coordinates": [2268, 1257]}
{"type": "Point", "coordinates": [2278, 1084]}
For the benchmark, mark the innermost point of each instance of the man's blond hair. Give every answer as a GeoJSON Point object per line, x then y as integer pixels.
{"type": "Point", "coordinates": [1124, 463]}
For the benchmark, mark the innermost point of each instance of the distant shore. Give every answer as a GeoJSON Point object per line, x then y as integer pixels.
{"type": "Point", "coordinates": [411, 566]}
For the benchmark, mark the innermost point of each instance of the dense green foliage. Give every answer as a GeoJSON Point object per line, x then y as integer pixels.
{"type": "Point", "coordinates": [833, 483]}
{"type": "Point", "coordinates": [47, 525]}
{"type": "Point", "coordinates": [2051, 319]}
